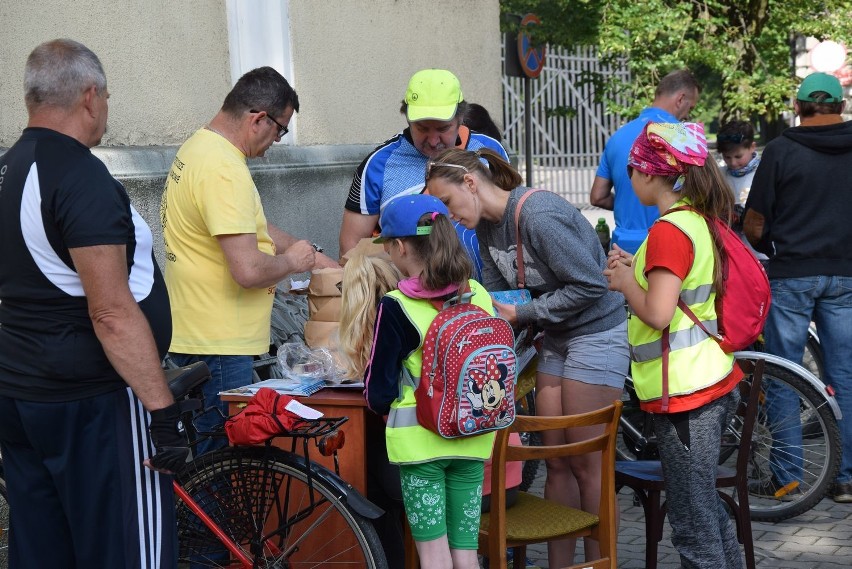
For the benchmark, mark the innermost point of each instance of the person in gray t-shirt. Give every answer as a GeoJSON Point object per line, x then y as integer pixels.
{"type": "Point", "coordinates": [584, 358]}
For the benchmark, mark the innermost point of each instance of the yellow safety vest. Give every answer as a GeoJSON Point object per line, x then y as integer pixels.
{"type": "Point", "coordinates": [407, 441]}
{"type": "Point", "coordinates": [695, 361]}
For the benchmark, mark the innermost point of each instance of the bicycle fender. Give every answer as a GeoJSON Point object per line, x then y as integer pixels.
{"type": "Point", "coordinates": [347, 492]}
{"type": "Point", "coordinates": [795, 368]}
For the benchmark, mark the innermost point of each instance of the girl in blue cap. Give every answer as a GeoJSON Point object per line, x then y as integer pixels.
{"type": "Point", "coordinates": [441, 478]}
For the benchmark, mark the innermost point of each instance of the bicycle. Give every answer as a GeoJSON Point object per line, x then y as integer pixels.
{"type": "Point", "coordinates": [270, 507]}
{"type": "Point", "coordinates": [820, 450]}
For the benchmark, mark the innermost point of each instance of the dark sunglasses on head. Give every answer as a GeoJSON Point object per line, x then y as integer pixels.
{"type": "Point", "coordinates": [736, 138]}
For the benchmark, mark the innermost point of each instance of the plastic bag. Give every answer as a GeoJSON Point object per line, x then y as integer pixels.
{"type": "Point", "coordinates": [300, 362]}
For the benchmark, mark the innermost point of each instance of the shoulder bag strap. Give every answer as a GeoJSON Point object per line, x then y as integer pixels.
{"type": "Point", "coordinates": [519, 251]}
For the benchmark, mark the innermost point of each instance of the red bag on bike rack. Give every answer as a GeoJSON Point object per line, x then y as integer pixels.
{"type": "Point", "coordinates": [264, 417]}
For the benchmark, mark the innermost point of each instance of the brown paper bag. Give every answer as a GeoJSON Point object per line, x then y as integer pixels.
{"type": "Point", "coordinates": [324, 335]}
{"type": "Point", "coordinates": [324, 308]}
{"type": "Point", "coordinates": [367, 248]}
{"type": "Point", "coordinates": [326, 282]}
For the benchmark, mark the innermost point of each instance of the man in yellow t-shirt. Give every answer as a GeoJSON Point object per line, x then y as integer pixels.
{"type": "Point", "coordinates": [223, 259]}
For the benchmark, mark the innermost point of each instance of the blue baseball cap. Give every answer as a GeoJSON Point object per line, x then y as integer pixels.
{"type": "Point", "coordinates": [400, 216]}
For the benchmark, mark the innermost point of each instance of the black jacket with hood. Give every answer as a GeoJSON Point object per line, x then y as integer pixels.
{"type": "Point", "coordinates": [803, 191]}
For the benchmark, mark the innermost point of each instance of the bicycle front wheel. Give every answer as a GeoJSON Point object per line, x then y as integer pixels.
{"type": "Point", "coordinates": [803, 443]}
{"type": "Point", "coordinates": [264, 501]}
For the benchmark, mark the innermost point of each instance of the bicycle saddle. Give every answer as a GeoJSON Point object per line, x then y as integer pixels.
{"type": "Point", "coordinates": [183, 379]}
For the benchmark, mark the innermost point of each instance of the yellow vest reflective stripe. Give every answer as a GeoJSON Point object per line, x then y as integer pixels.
{"type": "Point", "coordinates": [407, 441]}
{"type": "Point", "coordinates": [695, 361]}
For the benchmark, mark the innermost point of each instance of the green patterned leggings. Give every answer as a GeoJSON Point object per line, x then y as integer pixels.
{"type": "Point", "coordinates": [444, 497]}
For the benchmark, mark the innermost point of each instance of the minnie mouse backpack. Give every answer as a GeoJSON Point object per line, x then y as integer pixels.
{"type": "Point", "coordinates": [467, 378]}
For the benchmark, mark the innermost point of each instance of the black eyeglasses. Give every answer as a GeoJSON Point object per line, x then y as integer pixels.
{"type": "Point", "coordinates": [282, 130]}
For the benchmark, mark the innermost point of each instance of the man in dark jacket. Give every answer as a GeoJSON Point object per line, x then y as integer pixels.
{"type": "Point", "coordinates": [799, 212]}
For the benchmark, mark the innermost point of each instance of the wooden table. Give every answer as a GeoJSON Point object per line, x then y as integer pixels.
{"type": "Point", "coordinates": [333, 402]}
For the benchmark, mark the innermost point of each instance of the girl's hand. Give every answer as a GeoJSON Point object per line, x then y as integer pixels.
{"type": "Point", "coordinates": [507, 312]}
{"type": "Point", "coordinates": [618, 255]}
{"type": "Point", "coordinates": [619, 275]}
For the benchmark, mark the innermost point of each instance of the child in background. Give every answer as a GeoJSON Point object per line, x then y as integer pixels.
{"type": "Point", "coordinates": [668, 167]}
{"type": "Point", "coordinates": [735, 143]}
{"type": "Point", "coordinates": [441, 478]}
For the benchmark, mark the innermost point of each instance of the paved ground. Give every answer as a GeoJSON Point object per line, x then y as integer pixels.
{"type": "Point", "coordinates": [818, 539]}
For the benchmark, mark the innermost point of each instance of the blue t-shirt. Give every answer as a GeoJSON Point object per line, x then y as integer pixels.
{"type": "Point", "coordinates": [632, 219]}
{"type": "Point", "coordinates": [397, 168]}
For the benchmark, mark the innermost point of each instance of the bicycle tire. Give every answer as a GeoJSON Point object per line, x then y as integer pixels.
{"type": "Point", "coordinates": [243, 490]}
{"type": "Point", "coordinates": [821, 448]}
{"type": "Point", "coordinates": [4, 521]}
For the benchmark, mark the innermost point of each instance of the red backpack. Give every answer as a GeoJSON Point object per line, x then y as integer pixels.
{"type": "Point", "coordinates": [467, 378]}
{"type": "Point", "coordinates": [742, 307]}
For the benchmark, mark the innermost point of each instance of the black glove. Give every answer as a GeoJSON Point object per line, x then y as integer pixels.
{"type": "Point", "coordinates": [169, 438]}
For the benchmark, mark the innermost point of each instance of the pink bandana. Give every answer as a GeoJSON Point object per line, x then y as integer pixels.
{"type": "Point", "coordinates": [666, 149]}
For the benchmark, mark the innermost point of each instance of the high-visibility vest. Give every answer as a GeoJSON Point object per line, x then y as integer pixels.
{"type": "Point", "coordinates": [407, 441]}
{"type": "Point", "coordinates": [695, 361]}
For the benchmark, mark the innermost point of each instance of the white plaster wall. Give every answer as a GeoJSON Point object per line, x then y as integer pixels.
{"type": "Point", "coordinates": [352, 60]}
{"type": "Point", "coordinates": [166, 62]}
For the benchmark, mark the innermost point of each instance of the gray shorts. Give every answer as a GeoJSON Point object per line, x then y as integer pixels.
{"type": "Point", "coordinates": [602, 358]}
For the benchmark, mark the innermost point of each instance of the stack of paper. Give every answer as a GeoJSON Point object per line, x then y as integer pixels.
{"type": "Point", "coordinates": [298, 387]}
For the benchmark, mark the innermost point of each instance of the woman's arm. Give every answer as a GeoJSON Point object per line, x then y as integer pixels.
{"type": "Point", "coordinates": [563, 243]}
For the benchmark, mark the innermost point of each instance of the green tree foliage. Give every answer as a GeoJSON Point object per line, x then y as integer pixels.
{"type": "Point", "coordinates": [740, 51]}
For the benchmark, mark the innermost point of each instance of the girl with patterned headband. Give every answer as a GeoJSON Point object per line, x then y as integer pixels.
{"type": "Point", "coordinates": [668, 167]}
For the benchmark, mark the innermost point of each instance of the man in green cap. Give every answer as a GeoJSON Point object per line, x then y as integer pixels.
{"type": "Point", "coordinates": [434, 107]}
{"type": "Point", "coordinates": [798, 212]}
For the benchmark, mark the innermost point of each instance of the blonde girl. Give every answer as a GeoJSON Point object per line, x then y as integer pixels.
{"type": "Point", "coordinates": [441, 478]}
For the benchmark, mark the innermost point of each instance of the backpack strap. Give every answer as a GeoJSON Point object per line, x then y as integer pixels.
{"type": "Point", "coordinates": [522, 281]}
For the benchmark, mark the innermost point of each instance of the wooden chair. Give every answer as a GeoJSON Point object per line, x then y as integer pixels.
{"type": "Point", "coordinates": [645, 477]}
{"type": "Point", "coordinates": [535, 520]}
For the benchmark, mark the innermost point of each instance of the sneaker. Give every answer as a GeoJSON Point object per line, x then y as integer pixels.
{"type": "Point", "coordinates": [771, 488]}
{"type": "Point", "coordinates": [842, 492]}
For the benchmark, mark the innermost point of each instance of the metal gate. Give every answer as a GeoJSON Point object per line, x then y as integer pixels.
{"type": "Point", "coordinates": [570, 128]}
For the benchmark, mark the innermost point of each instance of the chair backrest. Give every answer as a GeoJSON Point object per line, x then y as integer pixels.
{"type": "Point", "coordinates": [750, 393]}
{"type": "Point", "coordinates": [603, 443]}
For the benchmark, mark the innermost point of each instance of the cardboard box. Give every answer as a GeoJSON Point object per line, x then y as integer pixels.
{"type": "Point", "coordinates": [326, 282]}
{"type": "Point", "coordinates": [324, 308]}
{"type": "Point", "coordinates": [367, 248]}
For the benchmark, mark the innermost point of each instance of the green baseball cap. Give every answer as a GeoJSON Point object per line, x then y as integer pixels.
{"type": "Point", "coordinates": [432, 94]}
{"type": "Point", "coordinates": [820, 82]}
